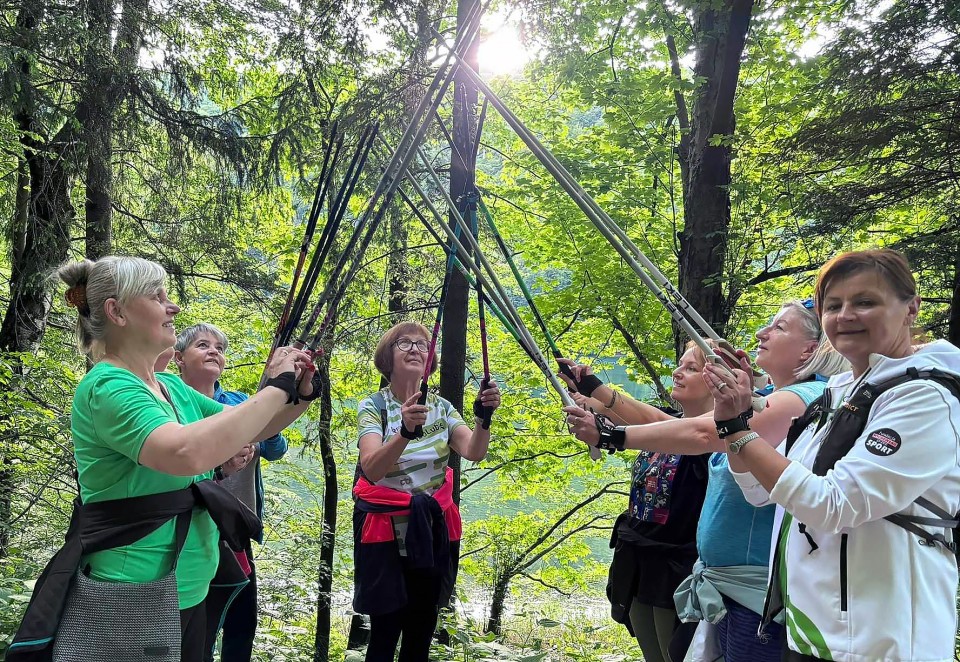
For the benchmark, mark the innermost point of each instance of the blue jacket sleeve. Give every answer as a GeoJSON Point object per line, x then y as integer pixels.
{"type": "Point", "coordinates": [273, 449]}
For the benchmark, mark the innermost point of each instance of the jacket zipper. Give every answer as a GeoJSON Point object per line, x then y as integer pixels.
{"type": "Point", "coordinates": [843, 572]}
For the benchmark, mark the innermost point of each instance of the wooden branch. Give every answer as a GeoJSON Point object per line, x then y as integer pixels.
{"type": "Point", "coordinates": [642, 358]}
{"type": "Point", "coordinates": [771, 274]}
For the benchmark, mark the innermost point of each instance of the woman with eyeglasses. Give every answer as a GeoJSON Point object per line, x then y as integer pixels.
{"type": "Point", "coordinates": [406, 526]}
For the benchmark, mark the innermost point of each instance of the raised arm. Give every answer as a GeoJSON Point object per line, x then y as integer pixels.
{"type": "Point", "coordinates": [187, 450]}
{"type": "Point", "coordinates": [691, 436]}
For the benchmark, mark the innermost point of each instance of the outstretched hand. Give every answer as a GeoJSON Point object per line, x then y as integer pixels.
{"type": "Point", "coordinates": [288, 359]}
{"type": "Point", "coordinates": [582, 424]}
{"type": "Point", "coordinates": [732, 389]}
{"type": "Point", "coordinates": [490, 396]}
{"type": "Point", "coordinates": [578, 377]}
{"type": "Point", "coordinates": [306, 385]}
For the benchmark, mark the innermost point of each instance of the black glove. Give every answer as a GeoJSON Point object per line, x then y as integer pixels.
{"type": "Point", "coordinates": [286, 382]}
{"type": "Point", "coordinates": [317, 384]}
{"type": "Point", "coordinates": [588, 384]}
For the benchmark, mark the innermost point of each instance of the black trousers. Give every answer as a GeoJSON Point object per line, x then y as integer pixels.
{"type": "Point", "coordinates": [412, 626]}
{"type": "Point", "coordinates": [239, 623]}
{"type": "Point", "coordinates": [193, 633]}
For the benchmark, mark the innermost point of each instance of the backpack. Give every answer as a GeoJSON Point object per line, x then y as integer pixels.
{"type": "Point", "coordinates": [848, 424]}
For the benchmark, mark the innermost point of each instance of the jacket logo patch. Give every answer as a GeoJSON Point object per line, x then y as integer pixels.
{"type": "Point", "coordinates": [883, 442]}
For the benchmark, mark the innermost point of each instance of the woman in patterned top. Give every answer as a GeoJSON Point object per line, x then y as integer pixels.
{"type": "Point", "coordinates": [728, 583]}
{"type": "Point", "coordinates": [406, 526]}
{"type": "Point", "coordinates": [654, 540]}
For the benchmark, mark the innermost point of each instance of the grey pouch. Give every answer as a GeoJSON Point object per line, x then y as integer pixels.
{"type": "Point", "coordinates": [121, 621]}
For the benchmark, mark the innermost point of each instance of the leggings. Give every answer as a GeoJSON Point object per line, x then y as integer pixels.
{"type": "Point", "coordinates": [416, 625]}
{"type": "Point", "coordinates": [653, 627]}
{"type": "Point", "coordinates": [193, 633]}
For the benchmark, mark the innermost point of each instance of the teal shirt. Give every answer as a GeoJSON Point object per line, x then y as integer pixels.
{"type": "Point", "coordinates": [113, 414]}
{"type": "Point", "coordinates": [731, 532]}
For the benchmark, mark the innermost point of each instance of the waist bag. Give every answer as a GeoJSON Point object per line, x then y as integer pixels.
{"type": "Point", "coordinates": [123, 621]}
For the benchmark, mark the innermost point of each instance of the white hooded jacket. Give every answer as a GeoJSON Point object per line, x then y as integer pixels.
{"type": "Point", "coordinates": [871, 591]}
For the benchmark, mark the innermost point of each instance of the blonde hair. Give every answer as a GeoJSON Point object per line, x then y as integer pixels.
{"type": "Point", "coordinates": [110, 277]}
{"type": "Point", "coordinates": [825, 360]}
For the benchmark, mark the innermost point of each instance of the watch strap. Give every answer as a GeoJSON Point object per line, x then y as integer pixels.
{"type": "Point", "coordinates": [736, 446]}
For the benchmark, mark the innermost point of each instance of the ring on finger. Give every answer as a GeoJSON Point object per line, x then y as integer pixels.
{"type": "Point", "coordinates": [721, 386]}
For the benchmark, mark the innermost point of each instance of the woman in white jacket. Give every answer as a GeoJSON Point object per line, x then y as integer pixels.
{"type": "Point", "coordinates": [854, 586]}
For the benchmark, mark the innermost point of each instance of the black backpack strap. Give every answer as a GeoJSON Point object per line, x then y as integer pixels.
{"type": "Point", "coordinates": [815, 411]}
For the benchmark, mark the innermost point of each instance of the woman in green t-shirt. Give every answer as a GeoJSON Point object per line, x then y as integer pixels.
{"type": "Point", "coordinates": [137, 432]}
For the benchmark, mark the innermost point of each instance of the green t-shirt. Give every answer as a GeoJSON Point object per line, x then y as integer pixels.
{"type": "Point", "coordinates": [113, 414]}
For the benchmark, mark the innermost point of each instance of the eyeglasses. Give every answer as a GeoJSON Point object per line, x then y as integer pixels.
{"type": "Point", "coordinates": [404, 344]}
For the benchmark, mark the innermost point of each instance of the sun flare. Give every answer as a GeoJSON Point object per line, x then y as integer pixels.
{"type": "Point", "coordinates": [501, 52]}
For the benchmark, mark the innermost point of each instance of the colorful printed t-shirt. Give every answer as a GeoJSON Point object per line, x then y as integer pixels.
{"type": "Point", "coordinates": [114, 412]}
{"type": "Point", "coordinates": [420, 468]}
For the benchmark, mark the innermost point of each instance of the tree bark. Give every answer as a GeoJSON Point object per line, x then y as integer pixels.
{"type": "Point", "coordinates": [720, 35]}
{"type": "Point", "coordinates": [497, 603]}
{"type": "Point", "coordinates": [953, 326]}
{"type": "Point", "coordinates": [40, 233]}
{"type": "Point", "coordinates": [321, 646]}
{"type": "Point", "coordinates": [462, 185]}
{"type": "Point", "coordinates": [397, 268]}
{"type": "Point", "coordinates": [108, 68]}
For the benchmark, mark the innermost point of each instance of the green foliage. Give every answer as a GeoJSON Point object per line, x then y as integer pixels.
{"type": "Point", "coordinates": [217, 151]}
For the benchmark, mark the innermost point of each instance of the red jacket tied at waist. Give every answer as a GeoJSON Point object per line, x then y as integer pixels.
{"type": "Point", "coordinates": [378, 526]}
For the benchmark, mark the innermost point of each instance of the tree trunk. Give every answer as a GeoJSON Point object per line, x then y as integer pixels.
{"type": "Point", "coordinates": [953, 327]}
{"type": "Point", "coordinates": [108, 69]}
{"type": "Point", "coordinates": [497, 604]}
{"type": "Point", "coordinates": [720, 35]}
{"type": "Point", "coordinates": [462, 185]}
{"type": "Point", "coordinates": [95, 112]}
{"type": "Point", "coordinates": [397, 267]}
{"type": "Point", "coordinates": [321, 647]}
{"type": "Point", "coordinates": [40, 237]}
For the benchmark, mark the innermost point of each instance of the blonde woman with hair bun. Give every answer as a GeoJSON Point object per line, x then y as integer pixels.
{"type": "Point", "coordinates": [146, 445]}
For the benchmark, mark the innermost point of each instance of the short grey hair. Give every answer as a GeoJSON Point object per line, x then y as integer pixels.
{"type": "Point", "coordinates": [825, 360]}
{"type": "Point", "coordinates": [189, 335]}
{"type": "Point", "coordinates": [110, 277]}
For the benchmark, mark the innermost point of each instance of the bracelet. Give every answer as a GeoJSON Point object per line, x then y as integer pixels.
{"type": "Point", "coordinates": [407, 433]}
{"type": "Point", "coordinates": [613, 400]}
{"type": "Point", "coordinates": [612, 438]}
{"type": "Point", "coordinates": [736, 446]}
{"type": "Point", "coordinates": [286, 382]}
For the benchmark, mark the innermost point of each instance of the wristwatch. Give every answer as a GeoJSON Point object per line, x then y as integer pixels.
{"type": "Point", "coordinates": [735, 446]}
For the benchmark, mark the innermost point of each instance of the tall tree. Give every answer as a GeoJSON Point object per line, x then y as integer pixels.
{"type": "Point", "coordinates": [462, 188]}
{"type": "Point", "coordinates": [883, 154]}
{"type": "Point", "coordinates": [719, 36]}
